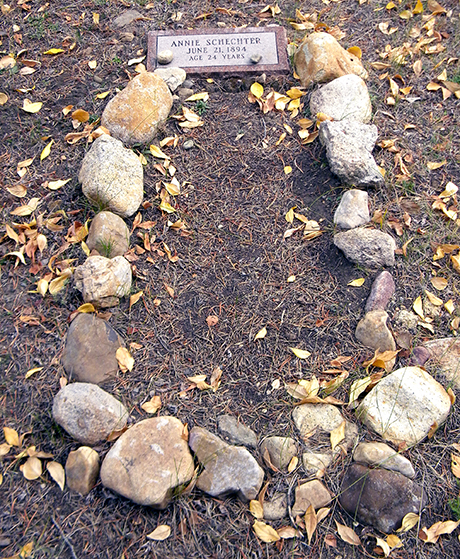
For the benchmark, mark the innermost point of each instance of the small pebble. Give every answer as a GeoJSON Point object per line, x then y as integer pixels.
{"type": "Point", "coordinates": [165, 56]}
{"type": "Point", "coordinates": [188, 84]}
{"type": "Point", "coordinates": [188, 144]}
{"type": "Point", "coordinates": [256, 58]}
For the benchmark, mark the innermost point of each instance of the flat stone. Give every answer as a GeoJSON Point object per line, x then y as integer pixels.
{"type": "Point", "coordinates": [445, 358]}
{"type": "Point", "coordinates": [184, 93]}
{"type": "Point", "coordinates": [82, 469]}
{"type": "Point", "coordinates": [353, 210]}
{"type": "Point", "coordinates": [227, 469]}
{"type": "Point", "coordinates": [372, 331]}
{"type": "Point", "coordinates": [112, 176]}
{"type": "Point", "coordinates": [235, 432]}
{"type": "Point", "coordinates": [90, 349]}
{"type": "Point", "coordinates": [108, 234]}
{"type": "Point", "coordinates": [379, 497]}
{"type": "Point", "coordinates": [349, 146]}
{"type": "Point", "coordinates": [173, 77]}
{"type": "Point", "coordinates": [135, 114]}
{"type": "Point", "coordinates": [419, 356]}
{"type": "Point", "coordinates": [404, 406]}
{"type": "Point", "coordinates": [382, 455]}
{"type": "Point", "coordinates": [103, 281]}
{"type": "Point", "coordinates": [320, 58]}
{"type": "Point", "coordinates": [280, 451]}
{"type": "Point", "coordinates": [126, 18]}
{"type": "Point", "coordinates": [382, 290]}
{"type": "Point", "coordinates": [276, 508]}
{"type": "Point", "coordinates": [149, 461]}
{"type": "Point", "coordinates": [314, 462]}
{"type": "Point", "coordinates": [367, 247]}
{"type": "Point", "coordinates": [311, 493]}
{"type": "Point", "coordinates": [88, 413]}
{"type": "Point", "coordinates": [345, 98]}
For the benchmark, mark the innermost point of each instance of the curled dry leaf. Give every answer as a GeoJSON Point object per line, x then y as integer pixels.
{"type": "Point", "coordinates": [394, 542]}
{"type": "Point", "coordinates": [135, 298]}
{"type": "Point", "coordinates": [153, 405]}
{"type": "Point", "coordinates": [436, 301]}
{"type": "Point", "coordinates": [256, 509]}
{"type": "Point", "coordinates": [58, 284]}
{"type": "Point", "coordinates": [292, 464]}
{"type": "Point", "coordinates": [357, 388]}
{"type": "Point", "coordinates": [418, 307]}
{"type": "Point", "coordinates": [356, 283]}
{"type": "Point", "coordinates": [337, 435]}
{"type": "Point", "coordinates": [261, 334]}
{"type": "Point", "coordinates": [4, 449]}
{"type": "Point", "coordinates": [32, 469]}
{"type": "Point", "coordinates": [288, 532]}
{"type": "Point", "coordinates": [125, 359]}
{"type": "Point", "coordinates": [86, 308]}
{"type": "Point", "coordinates": [347, 534]}
{"type": "Point", "coordinates": [386, 550]}
{"type": "Point", "coordinates": [160, 533]}
{"type": "Point", "coordinates": [57, 472]}
{"type": "Point", "coordinates": [455, 465]}
{"type": "Point", "coordinates": [257, 90]}
{"type": "Point", "coordinates": [431, 535]}
{"type": "Point", "coordinates": [265, 532]}
{"type": "Point", "coordinates": [11, 436]}
{"type": "Point", "coordinates": [31, 372]}
{"type": "Point", "coordinates": [409, 521]}
{"type": "Point", "coordinates": [212, 320]}
{"type": "Point", "coordinates": [311, 522]}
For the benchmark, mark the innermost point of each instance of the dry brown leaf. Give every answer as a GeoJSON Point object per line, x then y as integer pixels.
{"type": "Point", "coordinates": [11, 436]}
{"type": "Point", "coordinates": [160, 533]}
{"type": "Point", "coordinates": [169, 289]}
{"type": "Point", "coordinates": [292, 464]}
{"type": "Point", "coordinates": [135, 298]}
{"type": "Point", "coordinates": [417, 305]}
{"type": "Point", "coordinates": [288, 532]}
{"type": "Point", "coordinates": [57, 472]}
{"type": "Point", "coordinates": [439, 283]}
{"type": "Point", "coordinates": [434, 300]}
{"type": "Point", "coordinates": [409, 521]}
{"type": "Point", "coordinates": [256, 509]}
{"type": "Point", "coordinates": [261, 334]}
{"type": "Point", "coordinates": [311, 522]}
{"type": "Point", "coordinates": [337, 435]}
{"type": "Point", "coordinates": [4, 449]}
{"type": "Point", "coordinates": [383, 545]}
{"type": "Point", "coordinates": [455, 465]}
{"type": "Point", "coordinates": [212, 320]}
{"type": "Point", "coordinates": [153, 405]}
{"type": "Point", "coordinates": [347, 534]}
{"type": "Point", "coordinates": [125, 359]}
{"type": "Point", "coordinates": [431, 535]}
{"type": "Point", "coordinates": [265, 532]}
{"type": "Point", "coordinates": [32, 469]}
{"type": "Point", "coordinates": [300, 353]}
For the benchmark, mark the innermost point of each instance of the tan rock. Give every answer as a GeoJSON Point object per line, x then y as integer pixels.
{"type": "Point", "coordinates": [82, 469]}
{"type": "Point", "coordinates": [280, 451]}
{"type": "Point", "coordinates": [149, 461]}
{"type": "Point", "coordinates": [445, 357]}
{"type": "Point", "coordinates": [108, 234]}
{"type": "Point", "coordinates": [135, 114]}
{"type": "Point", "coordinates": [311, 493]}
{"type": "Point", "coordinates": [320, 58]}
{"type": "Point", "coordinates": [373, 332]}
{"type": "Point", "coordinates": [382, 455]}
{"type": "Point", "coordinates": [315, 462]}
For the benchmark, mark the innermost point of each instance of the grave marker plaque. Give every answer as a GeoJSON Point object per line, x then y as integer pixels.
{"type": "Point", "coordinates": [222, 50]}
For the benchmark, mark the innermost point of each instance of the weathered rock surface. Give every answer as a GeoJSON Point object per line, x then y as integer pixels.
{"type": "Point", "coordinates": [353, 209]}
{"type": "Point", "coordinates": [90, 349]}
{"type": "Point", "coordinates": [165, 56]}
{"type": "Point", "coordinates": [367, 247]}
{"type": "Point", "coordinates": [311, 493]}
{"type": "Point", "coordinates": [280, 451]}
{"type": "Point", "coordinates": [382, 455]}
{"type": "Point", "coordinates": [108, 234]}
{"type": "Point", "coordinates": [382, 291]}
{"type": "Point", "coordinates": [235, 432]}
{"type": "Point", "coordinates": [445, 358]}
{"type": "Point", "coordinates": [276, 509]}
{"type": "Point", "coordinates": [112, 176]}
{"type": "Point", "coordinates": [126, 18]}
{"type": "Point", "coordinates": [148, 462]}
{"type": "Point", "coordinates": [373, 332]}
{"type": "Point", "coordinates": [227, 469]}
{"type": "Point", "coordinates": [379, 497]}
{"type": "Point", "coordinates": [345, 98]}
{"type": "Point", "coordinates": [314, 462]}
{"type": "Point", "coordinates": [320, 58]}
{"type": "Point", "coordinates": [135, 114]}
{"type": "Point", "coordinates": [407, 320]}
{"type": "Point", "coordinates": [172, 76]}
{"type": "Point", "coordinates": [419, 357]}
{"type": "Point", "coordinates": [88, 413]}
{"type": "Point", "coordinates": [404, 406]}
{"type": "Point", "coordinates": [82, 469]}
{"type": "Point", "coordinates": [103, 281]}
{"type": "Point", "coordinates": [349, 146]}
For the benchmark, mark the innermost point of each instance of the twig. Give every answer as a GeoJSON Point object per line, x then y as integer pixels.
{"type": "Point", "coordinates": [66, 539]}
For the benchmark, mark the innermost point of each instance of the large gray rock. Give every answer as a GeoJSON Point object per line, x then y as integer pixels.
{"type": "Point", "coordinates": [103, 281]}
{"type": "Point", "coordinates": [379, 497]}
{"type": "Point", "coordinates": [405, 405]}
{"type": "Point", "coordinates": [353, 210]}
{"type": "Point", "coordinates": [382, 455]}
{"type": "Point", "coordinates": [173, 77]}
{"type": "Point", "coordinates": [349, 146]}
{"type": "Point", "coordinates": [382, 290]}
{"type": "Point", "coordinates": [112, 176]}
{"type": "Point", "coordinates": [367, 247]}
{"type": "Point", "coordinates": [88, 413]}
{"type": "Point", "coordinates": [149, 461]}
{"type": "Point", "coordinates": [108, 234]}
{"type": "Point", "coordinates": [82, 469]}
{"type": "Point", "coordinates": [445, 358]}
{"type": "Point", "coordinates": [345, 98]}
{"type": "Point", "coordinates": [90, 349]}
{"type": "Point", "coordinates": [227, 469]}
{"type": "Point", "coordinates": [280, 450]}
{"type": "Point", "coordinates": [235, 432]}
{"type": "Point", "coordinates": [311, 493]}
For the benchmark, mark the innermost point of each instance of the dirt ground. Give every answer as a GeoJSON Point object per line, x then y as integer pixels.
{"type": "Point", "coordinates": [233, 265]}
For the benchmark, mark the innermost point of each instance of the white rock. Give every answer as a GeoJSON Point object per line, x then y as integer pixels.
{"type": "Point", "coordinates": [165, 56]}
{"type": "Point", "coordinates": [382, 455]}
{"type": "Point", "coordinates": [445, 357]}
{"type": "Point", "coordinates": [405, 405]}
{"type": "Point", "coordinates": [314, 462]}
{"type": "Point", "coordinates": [353, 209]}
{"type": "Point", "coordinates": [368, 247]}
{"type": "Point", "coordinates": [173, 77]}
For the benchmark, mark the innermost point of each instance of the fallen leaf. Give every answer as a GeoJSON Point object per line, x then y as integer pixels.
{"type": "Point", "coordinates": [455, 465]}
{"type": "Point", "coordinates": [256, 509]}
{"type": "Point", "coordinates": [54, 51]}
{"type": "Point", "coordinates": [418, 307]}
{"type": "Point", "coordinates": [356, 283]}
{"type": "Point", "coordinates": [32, 469]}
{"type": "Point", "coordinates": [300, 353]}
{"type": "Point", "coordinates": [288, 532]}
{"type": "Point", "coordinates": [4, 449]}
{"type": "Point", "coordinates": [125, 359]}
{"type": "Point", "coordinates": [356, 51]}
{"type": "Point", "coordinates": [135, 298]}
{"type": "Point", "coordinates": [418, 8]}
{"type": "Point", "coordinates": [169, 289]}
{"type": "Point", "coordinates": [3, 98]}
{"type": "Point", "coordinates": [46, 151]}
{"type": "Point", "coordinates": [291, 279]}
{"type": "Point", "coordinates": [57, 472]}
{"type": "Point", "coordinates": [86, 308]}
{"type": "Point", "coordinates": [311, 522]}
{"type": "Point", "coordinates": [431, 535]}
{"type": "Point", "coordinates": [433, 165]}
{"type": "Point", "coordinates": [57, 284]}
{"type": "Point", "coordinates": [439, 283]}
{"type": "Point", "coordinates": [30, 107]}
{"type": "Point", "coordinates": [337, 435]}
{"type": "Point", "coordinates": [449, 306]}
{"type": "Point", "coordinates": [11, 436]}
{"type": "Point", "coordinates": [383, 546]}
{"type": "Point", "coordinates": [212, 320]}
{"type": "Point", "coordinates": [347, 534]}
{"type": "Point", "coordinates": [261, 334]}
{"type": "Point", "coordinates": [203, 96]}
{"type": "Point", "coordinates": [455, 259]}
{"type": "Point", "coordinates": [156, 152]}
{"type": "Point", "coordinates": [287, 169]}
{"type": "Point", "coordinates": [153, 405]}
{"type": "Point", "coordinates": [409, 521]}
{"type": "Point", "coordinates": [31, 372]}
{"type": "Point", "coordinates": [436, 301]}
{"type": "Point", "coordinates": [56, 185]}
{"type": "Point", "coordinates": [265, 532]}
{"type": "Point", "coordinates": [257, 90]}
{"type": "Point", "coordinates": [102, 95]}
{"type": "Point", "coordinates": [394, 542]}
{"type": "Point", "coordinates": [160, 533]}
{"type": "Point", "coordinates": [358, 387]}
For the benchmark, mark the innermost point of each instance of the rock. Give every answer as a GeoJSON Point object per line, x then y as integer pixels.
{"type": "Point", "coordinates": [82, 469]}
{"type": "Point", "coordinates": [315, 462]}
{"type": "Point", "coordinates": [345, 98]}
{"type": "Point", "coordinates": [445, 358]}
{"type": "Point", "coordinates": [382, 291]}
{"type": "Point", "coordinates": [112, 176]}
{"type": "Point", "coordinates": [420, 356]}
{"type": "Point", "coordinates": [280, 451]}
{"type": "Point", "coordinates": [188, 144]}
{"type": "Point", "coordinates": [353, 210]}
{"type": "Point", "coordinates": [372, 331]}
{"type": "Point", "coordinates": [379, 497]}
{"type": "Point", "coordinates": [149, 461]}
{"type": "Point", "coordinates": [276, 509]}
{"type": "Point", "coordinates": [103, 281]}
{"type": "Point", "coordinates": [406, 319]}
{"type": "Point", "coordinates": [349, 146]}
{"type": "Point", "coordinates": [165, 57]}
{"type": "Point", "coordinates": [227, 469]}
{"type": "Point", "coordinates": [256, 58]}
{"type": "Point", "coordinates": [184, 93]}
{"type": "Point", "coordinates": [320, 58]}
{"type": "Point", "coordinates": [108, 234]}
{"type": "Point", "coordinates": [126, 18]}
{"type": "Point", "coordinates": [88, 413]}
{"type": "Point", "coordinates": [382, 455]}
{"type": "Point", "coordinates": [404, 406]}
{"type": "Point", "coordinates": [173, 77]}
{"type": "Point", "coordinates": [135, 114]}
{"type": "Point", "coordinates": [367, 247]}
{"type": "Point", "coordinates": [310, 493]}
{"type": "Point", "coordinates": [90, 349]}
{"type": "Point", "coordinates": [235, 432]}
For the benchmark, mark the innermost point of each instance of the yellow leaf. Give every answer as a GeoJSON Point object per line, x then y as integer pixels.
{"type": "Point", "coordinates": [418, 8]}
{"type": "Point", "coordinates": [26, 550]}
{"type": "Point", "coordinates": [394, 542]}
{"type": "Point", "coordinates": [337, 435]}
{"type": "Point", "coordinates": [287, 169]}
{"type": "Point", "coordinates": [433, 165]}
{"type": "Point", "coordinates": [57, 472]}
{"type": "Point", "coordinates": [4, 449]}
{"type": "Point", "coordinates": [169, 289]}
{"type": "Point", "coordinates": [125, 359]}
{"type": "Point", "coordinates": [32, 469]}
{"type": "Point", "coordinates": [455, 259]}
{"type": "Point", "coordinates": [135, 298]}
{"type": "Point", "coordinates": [292, 464]}
{"type": "Point", "coordinates": [42, 287]}
{"type": "Point", "coordinates": [358, 387]}
{"type": "Point", "coordinates": [203, 96]}
{"type": "Point", "coordinates": [280, 139]}
{"type": "Point", "coordinates": [356, 283]}
{"type": "Point", "coordinates": [431, 535]}
{"type": "Point", "coordinates": [418, 307]}
{"type": "Point", "coordinates": [11, 436]}
{"type": "Point", "coordinates": [449, 306]}
{"type": "Point", "coordinates": [450, 190]}
{"type": "Point", "coordinates": [439, 283]}
{"type": "Point", "coordinates": [102, 95]}
{"type": "Point", "coordinates": [289, 217]}
{"type": "Point", "coordinates": [95, 18]}
{"type": "Point", "coordinates": [455, 465]}
{"type": "Point", "coordinates": [86, 308]}
{"type": "Point", "coordinates": [409, 521]}
{"type": "Point", "coordinates": [166, 207]}
{"type": "Point", "coordinates": [261, 334]}
{"type": "Point", "coordinates": [311, 522]}
{"type": "Point", "coordinates": [300, 353]}
{"type": "Point", "coordinates": [383, 546]}
{"type": "Point", "coordinates": [31, 372]}
{"type": "Point", "coordinates": [58, 284]}
{"type": "Point", "coordinates": [356, 51]}
{"type": "Point", "coordinates": [160, 533]}
{"type": "Point", "coordinates": [172, 188]}
{"type": "Point", "coordinates": [153, 405]}
{"type": "Point", "coordinates": [56, 185]}
{"type": "Point", "coordinates": [295, 93]}
{"type": "Point", "coordinates": [17, 254]}
{"type": "Point", "coordinates": [3, 98]}
{"type": "Point", "coordinates": [46, 151]}
{"type": "Point", "coordinates": [390, 5]}
{"type": "Point", "coordinates": [92, 64]}
{"type": "Point", "coordinates": [30, 107]}
{"type": "Point", "coordinates": [291, 279]}
{"type": "Point", "coordinates": [436, 301]}
{"type": "Point", "coordinates": [257, 90]}
{"type": "Point", "coordinates": [156, 152]}
{"type": "Point", "coordinates": [256, 509]}
{"type": "Point", "coordinates": [265, 532]}
{"type": "Point", "coordinates": [54, 51]}
{"type": "Point", "coordinates": [347, 534]}
{"type": "Point", "coordinates": [405, 14]}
